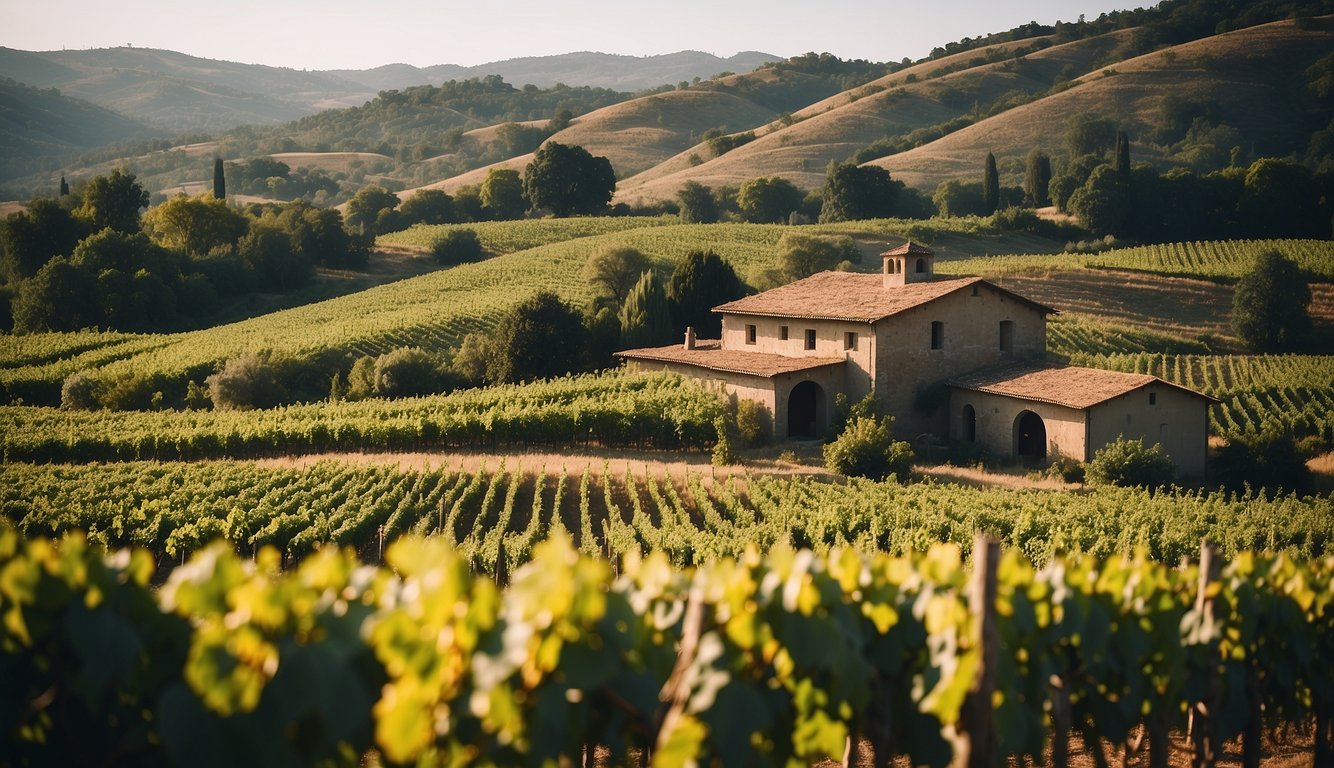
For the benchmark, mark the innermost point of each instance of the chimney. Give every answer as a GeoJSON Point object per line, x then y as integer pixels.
{"type": "Point", "coordinates": [909, 263]}
{"type": "Point", "coordinates": [690, 338]}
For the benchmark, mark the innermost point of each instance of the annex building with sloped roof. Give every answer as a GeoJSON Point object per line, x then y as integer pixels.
{"type": "Point", "coordinates": [958, 359]}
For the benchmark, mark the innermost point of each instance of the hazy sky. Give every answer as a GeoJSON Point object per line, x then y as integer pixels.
{"type": "Point", "coordinates": [331, 34]}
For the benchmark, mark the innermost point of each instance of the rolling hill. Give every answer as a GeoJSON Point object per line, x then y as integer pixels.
{"type": "Point", "coordinates": [38, 124]}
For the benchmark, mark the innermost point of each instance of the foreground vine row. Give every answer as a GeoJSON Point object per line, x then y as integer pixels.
{"type": "Point", "coordinates": [494, 517]}
{"type": "Point", "coordinates": [756, 660]}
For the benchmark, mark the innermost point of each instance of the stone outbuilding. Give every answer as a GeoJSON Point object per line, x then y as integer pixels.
{"type": "Point", "coordinates": [929, 348]}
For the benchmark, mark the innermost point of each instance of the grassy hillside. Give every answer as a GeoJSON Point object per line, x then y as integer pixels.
{"type": "Point", "coordinates": [39, 124]}
{"type": "Point", "coordinates": [1251, 79]}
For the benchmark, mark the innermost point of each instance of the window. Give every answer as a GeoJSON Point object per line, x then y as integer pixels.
{"type": "Point", "coordinates": [921, 266]}
{"type": "Point", "coordinates": [1007, 336]}
{"type": "Point", "coordinates": [782, 333]}
{"type": "Point", "coordinates": [1153, 398]}
{"type": "Point", "coordinates": [974, 290]}
{"type": "Point", "coordinates": [810, 338]}
{"type": "Point", "coordinates": [750, 334]}
{"type": "Point", "coordinates": [937, 335]}
{"type": "Point", "coordinates": [849, 340]}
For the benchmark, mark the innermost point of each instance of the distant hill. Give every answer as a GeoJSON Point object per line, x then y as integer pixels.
{"type": "Point", "coordinates": [39, 124]}
{"type": "Point", "coordinates": [602, 70]}
{"type": "Point", "coordinates": [176, 92]}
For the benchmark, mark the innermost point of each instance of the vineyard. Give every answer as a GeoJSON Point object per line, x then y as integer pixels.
{"type": "Point", "coordinates": [782, 659]}
{"type": "Point", "coordinates": [494, 517]}
{"type": "Point", "coordinates": [509, 236]}
{"type": "Point", "coordinates": [1288, 393]}
{"type": "Point", "coordinates": [610, 409]}
{"type": "Point", "coordinates": [1223, 259]}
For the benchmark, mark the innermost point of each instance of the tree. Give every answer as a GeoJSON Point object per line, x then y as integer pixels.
{"type": "Point", "coordinates": [502, 194]}
{"type": "Point", "coordinates": [990, 186]}
{"type": "Point", "coordinates": [244, 383]}
{"type": "Point", "coordinates": [1088, 135]}
{"type": "Point", "coordinates": [1281, 199]}
{"type": "Point", "coordinates": [194, 225]}
{"type": "Point", "coordinates": [268, 252]}
{"type": "Point", "coordinates": [33, 237]}
{"type": "Point", "coordinates": [427, 206]}
{"type": "Point", "coordinates": [613, 272]}
{"type": "Point", "coordinates": [958, 198]}
{"type": "Point", "coordinates": [64, 187]}
{"type": "Point", "coordinates": [852, 192]}
{"type": "Point", "coordinates": [407, 372]}
{"type": "Point", "coordinates": [366, 209]}
{"type": "Point", "coordinates": [1270, 461]}
{"type": "Point", "coordinates": [1103, 203]}
{"type": "Point", "coordinates": [458, 246]}
{"type": "Point", "coordinates": [1269, 305]}
{"type": "Point", "coordinates": [768, 200]}
{"type": "Point", "coordinates": [1121, 160]}
{"type": "Point", "coordinates": [539, 338]}
{"type": "Point", "coordinates": [219, 180]}
{"type": "Point", "coordinates": [700, 282]}
{"type": "Point", "coordinates": [698, 205]}
{"type": "Point", "coordinates": [1037, 179]}
{"type": "Point", "coordinates": [60, 297]}
{"type": "Point", "coordinates": [802, 255]}
{"type": "Point", "coordinates": [318, 235]}
{"type": "Point", "coordinates": [113, 201]}
{"type": "Point", "coordinates": [568, 180]}
{"type": "Point", "coordinates": [646, 317]}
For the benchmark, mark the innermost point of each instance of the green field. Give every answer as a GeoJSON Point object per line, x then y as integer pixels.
{"type": "Point", "coordinates": [1223, 260]}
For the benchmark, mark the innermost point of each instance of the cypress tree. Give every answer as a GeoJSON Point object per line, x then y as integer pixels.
{"type": "Point", "coordinates": [1121, 163]}
{"type": "Point", "coordinates": [990, 187]}
{"type": "Point", "coordinates": [64, 187]}
{"type": "Point", "coordinates": [1037, 177]}
{"type": "Point", "coordinates": [646, 317]}
{"type": "Point", "coordinates": [219, 181]}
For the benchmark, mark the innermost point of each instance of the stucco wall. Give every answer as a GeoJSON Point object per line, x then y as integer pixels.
{"type": "Point", "coordinates": [905, 360]}
{"type": "Point", "coordinates": [1177, 420]}
{"type": "Point", "coordinates": [996, 418]}
{"type": "Point", "coordinates": [770, 393]}
{"type": "Point", "coordinates": [829, 342]}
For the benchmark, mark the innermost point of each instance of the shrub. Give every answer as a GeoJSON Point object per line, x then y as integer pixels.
{"type": "Point", "coordinates": [752, 423]}
{"type": "Point", "coordinates": [80, 392]}
{"type": "Point", "coordinates": [245, 383]}
{"type": "Point", "coordinates": [1067, 470]}
{"type": "Point", "coordinates": [457, 246]}
{"type": "Point", "coordinates": [361, 379]}
{"type": "Point", "coordinates": [1128, 463]}
{"type": "Point", "coordinates": [844, 413]}
{"type": "Point", "coordinates": [723, 454]}
{"type": "Point", "coordinates": [407, 372]}
{"type": "Point", "coordinates": [865, 449]}
{"type": "Point", "coordinates": [1272, 462]}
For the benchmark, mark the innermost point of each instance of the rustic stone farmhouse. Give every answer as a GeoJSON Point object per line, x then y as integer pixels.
{"type": "Point", "coordinates": [957, 359]}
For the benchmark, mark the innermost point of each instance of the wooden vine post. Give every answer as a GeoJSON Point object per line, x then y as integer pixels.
{"type": "Point", "coordinates": [1203, 727]}
{"type": "Point", "coordinates": [977, 746]}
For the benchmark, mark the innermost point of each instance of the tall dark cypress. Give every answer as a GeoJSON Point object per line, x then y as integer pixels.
{"type": "Point", "coordinates": [991, 186]}
{"type": "Point", "coordinates": [219, 181]}
{"type": "Point", "coordinates": [64, 187]}
{"type": "Point", "coordinates": [1122, 162]}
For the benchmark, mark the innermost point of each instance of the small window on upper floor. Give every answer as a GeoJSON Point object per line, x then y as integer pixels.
{"type": "Point", "coordinates": [1007, 336]}
{"type": "Point", "coordinates": [849, 340]}
{"type": "Point", "coordinates": [975, 290]}
{"type": "Point", "coordinates": [937, 335]}
{"type": "Point", "coordinates": [782, 332]}
{"type": "Point", "coordinates": [750, 334]}
{"type": "Point", "coordinates": [921, 266]}
{"type": "Point", "coordinates": [810, 338]}
{"type": "Point", "coordinates": [1153, 398]}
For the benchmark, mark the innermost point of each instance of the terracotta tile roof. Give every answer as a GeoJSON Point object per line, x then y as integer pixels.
{"type": "Point", "coordinates": [853, 296]}
{"type": "Point", "coordinates": [909, 249]}
{"type": "Point", "coordinates": [1067, 385]}
{"type": "Point", "coordinates": [709, 354]}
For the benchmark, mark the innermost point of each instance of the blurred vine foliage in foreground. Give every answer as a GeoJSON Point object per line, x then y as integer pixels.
{"type": "Point", "coordinates": [754, 660]}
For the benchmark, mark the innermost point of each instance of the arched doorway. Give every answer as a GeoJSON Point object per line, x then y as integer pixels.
{"type": "Point", "coordinates": [806, 411]}
{"type": "Point", "coordinates": [968, 428]}
{"type": "Point", "coordinates": [1030, 437]}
